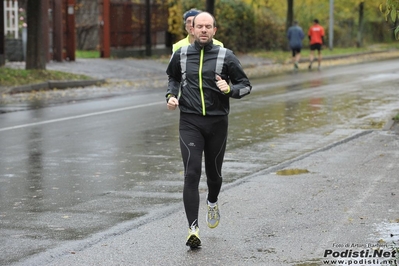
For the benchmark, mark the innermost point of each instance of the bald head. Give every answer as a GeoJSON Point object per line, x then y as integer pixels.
{"type": "Point", "coordinates": [204, 27]}
{"type": "Point", "coordinates": [208, 15]}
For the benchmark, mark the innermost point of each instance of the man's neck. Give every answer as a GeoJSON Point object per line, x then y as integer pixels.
{"type": "Point", "coordinates": [191, 38]}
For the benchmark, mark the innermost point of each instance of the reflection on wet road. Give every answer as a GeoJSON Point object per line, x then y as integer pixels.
{"type": "Point", "coordinates": [72, 178]}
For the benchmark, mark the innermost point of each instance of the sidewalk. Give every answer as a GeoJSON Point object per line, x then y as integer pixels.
{"type": "Point", "coordinates": [147, 71]}
{"type": "Point", "coordinates": [349, 198]}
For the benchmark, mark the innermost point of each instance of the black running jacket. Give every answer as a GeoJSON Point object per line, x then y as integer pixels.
{"type": "Point", "coordinates": [192, 79]}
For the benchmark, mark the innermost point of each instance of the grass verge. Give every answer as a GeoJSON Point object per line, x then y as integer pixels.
{"type": "Point", "coordinates": [14, 77]}
{"type": "Point", "coordinates": [10, 77]}
{"type": "Point", "coordinates": [87, 54]}
{"type": "Point", "coordinates": [283, 57]}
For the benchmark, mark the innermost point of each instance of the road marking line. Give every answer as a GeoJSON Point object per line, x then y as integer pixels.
{"type": "Point", "coordinates": [78, 116]}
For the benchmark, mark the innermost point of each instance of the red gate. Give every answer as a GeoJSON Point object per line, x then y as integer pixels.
{"type": "Point", "coordinates": [124, 23]}
{"type": "Point", "coordinates": [62, 30]}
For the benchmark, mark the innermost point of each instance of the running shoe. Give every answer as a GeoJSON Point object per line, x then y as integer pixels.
{"type": "Point", "coordinates": [193, 240]}
{"type": "Point", "coordinates": [213, 216]}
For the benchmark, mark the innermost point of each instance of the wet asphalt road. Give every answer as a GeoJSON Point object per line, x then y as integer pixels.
{"type": "Point", "coordinates": [80, 168]}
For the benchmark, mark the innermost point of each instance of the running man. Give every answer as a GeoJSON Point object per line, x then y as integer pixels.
{"type": "Point", "coordinates": [295, 36]}
{"type": "Point", "coordinates": [202, 77]}
{"type": "Point", "coordinates": [316, 39]}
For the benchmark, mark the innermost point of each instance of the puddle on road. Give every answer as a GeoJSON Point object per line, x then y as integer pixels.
{"type": "Point", "coordinates": [388, 235]}
{"type": "Point", "coordinates": [294, 171]}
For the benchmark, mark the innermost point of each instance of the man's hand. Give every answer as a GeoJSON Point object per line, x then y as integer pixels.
{"type": "Point", "coordinates": [222, 84]}
{"type": "Point", "coordinates": [172, 103]}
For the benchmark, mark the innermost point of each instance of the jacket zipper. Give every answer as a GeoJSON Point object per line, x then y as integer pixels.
{"type": "Point", "coordinates": [200, 82]}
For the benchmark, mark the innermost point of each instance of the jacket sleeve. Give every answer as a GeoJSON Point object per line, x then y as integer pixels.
{"type": "Point", "coordinates": [174, 74]}
{"type": "Point", "coordinates": [240, 85]}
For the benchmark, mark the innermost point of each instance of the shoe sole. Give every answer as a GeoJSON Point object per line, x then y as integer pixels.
{"type": "Point", "coordinates": [193, 242]}
{"type": "Point", "coordinates": [213, 226]}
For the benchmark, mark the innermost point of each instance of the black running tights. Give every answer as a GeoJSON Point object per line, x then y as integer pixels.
{"type": "Point", "coordinates": [201, 135]}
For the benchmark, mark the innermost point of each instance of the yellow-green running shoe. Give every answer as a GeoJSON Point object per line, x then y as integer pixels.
{"type": "Point", "coordinates": [213, 216]}
{"type": "Point", "coordinates": [193, 240]}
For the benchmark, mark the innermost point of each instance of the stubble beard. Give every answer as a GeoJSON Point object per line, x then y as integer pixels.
{"type": "Point", "coordinates": [204, 42]}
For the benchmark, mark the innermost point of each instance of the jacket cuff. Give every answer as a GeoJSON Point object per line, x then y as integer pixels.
{"type": "Point", "coordinates": [228, 91]}
{"type": "Point", "coordinates": [168, 96]}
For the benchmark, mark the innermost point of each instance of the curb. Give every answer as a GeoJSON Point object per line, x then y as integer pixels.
{"type": "Point", "coordinates": [55, 84]}
{"type": "Point", "coordinates": [392, 125]}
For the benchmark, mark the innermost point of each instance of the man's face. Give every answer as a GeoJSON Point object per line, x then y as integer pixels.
{"type": "Point", "coordinates": [203, 28]}
{"type": "Point", "coordinates": [189, 24]}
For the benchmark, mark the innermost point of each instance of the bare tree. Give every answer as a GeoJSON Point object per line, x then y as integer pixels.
{"type": "Point", "coordinates": [36, 52]}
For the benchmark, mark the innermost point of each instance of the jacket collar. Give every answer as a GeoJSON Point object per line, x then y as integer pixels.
{"type": "Point", "coordinates": [207, 46]}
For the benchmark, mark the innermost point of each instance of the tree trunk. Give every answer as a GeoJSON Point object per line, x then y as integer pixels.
{"type": "Point", "coordinates": [147, 28]}
{"type": "Point", "coordinates": [36, 52]}
{"type": "Point", "coordinates": [290, 14]}
{"type": "Point", "coordinates": [360, 31]}
{"type": "Point", "coordinates": [289, 20]}
{"type": "Point", "coordinates": [210, 6]}
{"type": "Point", "coordinates": [2, 39]}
